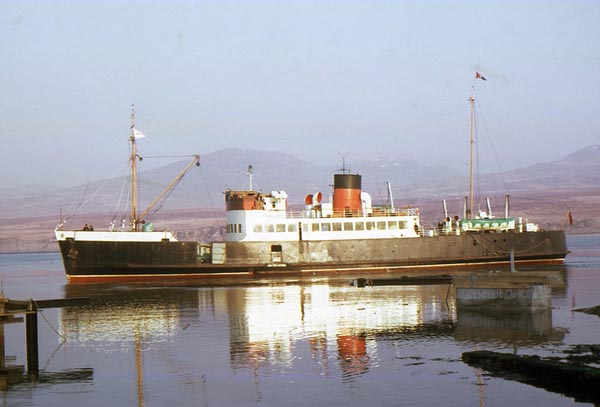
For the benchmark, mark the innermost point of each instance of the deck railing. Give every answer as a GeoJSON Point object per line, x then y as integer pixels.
{"type": "Point", "coordinates": [375, 212]}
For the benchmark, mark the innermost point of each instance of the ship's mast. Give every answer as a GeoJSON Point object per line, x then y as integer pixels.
{"type": "Point", "coordinates": [250, 177]}
{"type": "Point", "coordinates": [133, 162]}
{"type": "Point", "coordinates": [390, 198]}
{"type": "Point", "coordinates": [136, 218]}
{"type": "Point", "coordinates": [471, 142]}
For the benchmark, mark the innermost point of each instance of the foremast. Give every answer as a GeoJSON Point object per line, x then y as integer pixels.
{"type": "Point", "coordinates": [137, 219]}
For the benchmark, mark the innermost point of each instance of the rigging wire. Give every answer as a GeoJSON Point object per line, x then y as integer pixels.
{"type": "Point", "coordinates": [212, 205]}
{"type": "Point", "coordinates": [86, 198]}
{"type": "Point", "coordinates": [83, 197]}
{"type": "Point", "coordinates": [492, 146]}
{"type": "Point", "coordinates": [168, 156]}
{"type": "Point", "coordinates": [479, 114]}
{"type": "Point", "coordinates": [149, 183]}
{"type": "Point", "coordinates": [478, 169]}
{"type": "Point", "coordinates": [124, 184]}
{"type": "Point", "coordinates": [77, 208]}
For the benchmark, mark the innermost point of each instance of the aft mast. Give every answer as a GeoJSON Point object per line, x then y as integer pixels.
{"type": "Point", "coordinates": [471, 142]}
{"type": "Point", "coordinates": [133, 162]}
{"type": "Point", "coordinates": [469, 211]}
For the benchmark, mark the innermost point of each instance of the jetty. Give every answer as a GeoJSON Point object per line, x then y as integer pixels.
{"type": "Point", "coordinates": [9, 313]}
{"type": "Point", "coordinates": [503, 289]}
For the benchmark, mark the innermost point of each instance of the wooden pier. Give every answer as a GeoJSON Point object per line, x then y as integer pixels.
{"type": "Point", "coordinates": [9, 311]}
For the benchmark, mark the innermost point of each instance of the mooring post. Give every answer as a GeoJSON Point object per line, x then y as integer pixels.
{"type": "Point", "coordinates": [32, 338]}
{"type": "Point", "coordinates": [2, 348]}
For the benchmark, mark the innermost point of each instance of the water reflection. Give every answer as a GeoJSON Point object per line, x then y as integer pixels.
{"type": "Point", "coordinates": [515, 326]}
{"type": "Point", "coordinates": [329, 328]}
{"type": "Point", "coordinates": [268, 322]}
{"type": "Point", "coordinates": [119, 314]}
{"type": "Point", "coordinates": [525, 326]}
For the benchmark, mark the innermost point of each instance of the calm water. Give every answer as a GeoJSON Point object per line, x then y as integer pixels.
{"type": "Point", "coordinates": [315, 343]}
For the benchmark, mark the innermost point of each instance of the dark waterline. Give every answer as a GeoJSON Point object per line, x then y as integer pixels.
{"type": "Point", "coordinates": [317, 342]}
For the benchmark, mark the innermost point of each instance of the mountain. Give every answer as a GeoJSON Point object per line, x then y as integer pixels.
{"type": "Point", "coordinates": [578, 171]}
{"type": "Point", "coordinates": [202, 188]}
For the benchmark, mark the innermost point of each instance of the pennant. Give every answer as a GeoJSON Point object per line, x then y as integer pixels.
{"type": "Point", "coordinates": [138, 134]}
{"type": "Point", "coordinates": [480, 76]}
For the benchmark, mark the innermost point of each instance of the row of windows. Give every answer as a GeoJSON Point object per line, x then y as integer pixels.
{"type": "Point", "coordinates": [331, 226]}
{"type": "Point", "coordinates": [233, 228]}
{"type": "Point", "coordinates": [280, 227]}
{"type": "Point", "coordinates": [349, 226]}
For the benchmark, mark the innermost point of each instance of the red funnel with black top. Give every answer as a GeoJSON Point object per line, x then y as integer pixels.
{"type": "Point", "coordinates": [346, 194]}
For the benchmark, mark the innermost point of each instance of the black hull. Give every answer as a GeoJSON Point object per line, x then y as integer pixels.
{"type": "Point", "coordinates": [98, 260]}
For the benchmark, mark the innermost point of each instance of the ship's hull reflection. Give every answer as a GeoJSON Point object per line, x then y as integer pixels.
{"type": "Point", "coordinates": [339, 326]}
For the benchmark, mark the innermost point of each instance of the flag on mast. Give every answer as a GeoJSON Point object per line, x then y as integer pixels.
{"type": "Point", "coordinates": [480, 76]}
{"type": "Point", "coordinates": [138, 134]}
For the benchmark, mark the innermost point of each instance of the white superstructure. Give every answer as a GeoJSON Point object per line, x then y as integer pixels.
{"type": "Point", "coordinates": [257, 217]}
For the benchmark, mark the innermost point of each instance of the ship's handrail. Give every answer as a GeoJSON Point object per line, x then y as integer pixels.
{"type": "Point", "coordinates": [376, 212]}
{"type": "Point", "coordinates": [428, 232]}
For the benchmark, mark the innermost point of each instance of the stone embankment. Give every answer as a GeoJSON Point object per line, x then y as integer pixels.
{"type": "Point", "coordinates": [575, 380]}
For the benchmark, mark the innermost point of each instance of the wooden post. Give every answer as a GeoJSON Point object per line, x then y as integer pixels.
{"type": "Point", "coordinates": [32, 338]}
{"type": "Point", "coordinates": [30, 307]}
{"type": "Point", "coordinates": [2, 348]}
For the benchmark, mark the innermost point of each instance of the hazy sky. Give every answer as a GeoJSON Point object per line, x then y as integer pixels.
{"type": "Point", "coordinates": [317, 79]}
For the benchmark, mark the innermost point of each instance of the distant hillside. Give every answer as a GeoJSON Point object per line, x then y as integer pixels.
{"type": "Point", "coordinates": [560, 182]}
{"type": "Point", "coordinates": [203, 187]}
{"type": "Point", "coordinates": [578, 171]}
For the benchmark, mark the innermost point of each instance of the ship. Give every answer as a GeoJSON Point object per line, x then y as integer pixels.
{"type": "Point", "coordinates": [347, 235]}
